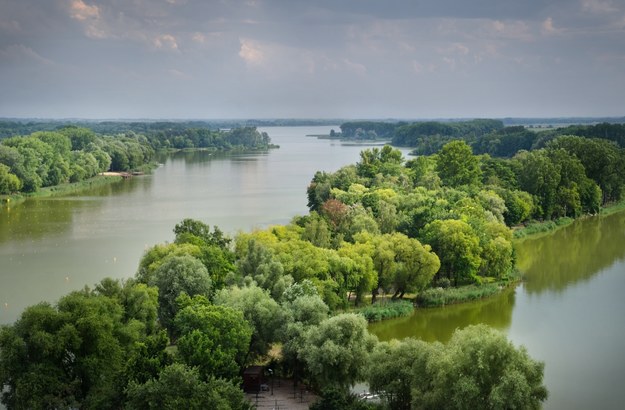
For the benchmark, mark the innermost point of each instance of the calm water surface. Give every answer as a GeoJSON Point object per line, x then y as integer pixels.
{"type": "Point", "coordinates": [568, 313]}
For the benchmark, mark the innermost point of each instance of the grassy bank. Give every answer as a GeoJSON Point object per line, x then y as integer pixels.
{"type": "Point", "coordinates": [60, 190]}
{"type": "Point", "coordinates": [535, 228]}
{"type": "Point", "coordinates": [383, 310]}
{"type": "Point", "coordinates": [436, 297]}
{"type": "Point", "coordinates": [538, 228]}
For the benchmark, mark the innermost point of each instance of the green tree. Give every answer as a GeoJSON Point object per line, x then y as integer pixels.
{"type": "Point", "coordinates": [264, 315]}
{"type": "Point", "coordinates": [201, 230]}
{"type": "Point", "coordinates": [181, 387]}
{"type": "Point", "coordinates": [337, 351]}
{"type": "Point", "coordinates": [9, 182]}
{"type": "Point", "coordinates": [539, 176]}
{"type": "Point", "coordinates": [213, 338]}
{"type": "Point", "coordinates": [176, 275]}
{"type": "Point", "coordinates": [458, 248]}
{"type": "Point", "coordinates": [481, 369]}
{"type": "Point", "coordinates": [393, 368]}
{"type": "Point", "coordinates": [456, 165]}
{"type": "Point", "coordinates": [71, 355]}
{"type": "Point", "coordinates": [415, 265]}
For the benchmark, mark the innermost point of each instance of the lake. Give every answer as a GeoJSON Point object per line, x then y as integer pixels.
{"type": "Point", "coordinates": [566, 312]}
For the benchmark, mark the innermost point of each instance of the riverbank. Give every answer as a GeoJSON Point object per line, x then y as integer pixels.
{"type": "Point", "coordinates": [536, 229]}
{"type": "Point", "coordinates": [60, 190]}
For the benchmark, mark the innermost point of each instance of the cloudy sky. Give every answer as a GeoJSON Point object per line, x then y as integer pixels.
{"type": "Point", "coordinates": [311, 59]}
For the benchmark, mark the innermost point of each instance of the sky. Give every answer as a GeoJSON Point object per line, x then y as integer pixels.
{"type": "Point", "coordinates": [218, 59]}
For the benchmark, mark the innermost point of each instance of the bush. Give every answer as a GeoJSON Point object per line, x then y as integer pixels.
{"type": "Point", "coordinates": [435, 297]}
{"type": "Point", "coordinates": [382, 311]}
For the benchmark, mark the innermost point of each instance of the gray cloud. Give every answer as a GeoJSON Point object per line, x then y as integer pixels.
{"type": "Point", "coordinates": [358, 58]}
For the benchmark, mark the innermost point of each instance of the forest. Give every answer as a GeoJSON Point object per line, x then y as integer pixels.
{"type": "Point", "coordinates": [498, 138]}
{"type": "Point", "coordinates": [74, 154]}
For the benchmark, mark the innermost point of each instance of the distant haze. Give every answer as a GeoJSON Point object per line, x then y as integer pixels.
{"type": "Point", "coordinates": [311, 59]}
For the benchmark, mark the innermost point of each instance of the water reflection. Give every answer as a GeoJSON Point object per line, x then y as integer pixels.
{"type": "Point", "coordinates": [438, 324]}
{"type": "Point", "coordinates": [573, 254]}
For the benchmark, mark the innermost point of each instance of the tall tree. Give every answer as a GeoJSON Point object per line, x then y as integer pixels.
{"type": "Point", "coordinates": [456, 165]}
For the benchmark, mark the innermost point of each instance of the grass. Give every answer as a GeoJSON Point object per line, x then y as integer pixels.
{"type": "Point", "coordinates": [436, 297]}
{"type": "Point", "coordinates": [537, 228]}
{"type": "Point", "coordinates": [386, 310]}
{"type": "Point", "coordinates": [59, 190]}
{"type": "Point", "coordinates": [613, 208]}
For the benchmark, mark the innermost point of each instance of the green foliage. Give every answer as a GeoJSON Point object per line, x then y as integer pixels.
{"type": "Point", "coordinates": [202, 231]}
{"type": "Point", "coordinates": [383, 311]}
{"type": "Point", "coordinates": [179, 274]}
{"type": "Point", "coordinates": [9, 182]}
{"type": "Point", "coordinates": [337, 399]}
{"type": "Point", "coordinates": [435, 297]}
{"type": "Point", "coordinates": [456, 165]}
{"type": "Point", "coordinates": [478, 369]}
{"type": "Point", "coordinates": [216, 339]}
{"type": "Point", "coordinates": [458, 246]}
{"type": "Point", "coordinates": [261, 312]}
{"type": "Point", "coordinates": [336, 351]}
{"type": "Point", "coordinates": [74, 354]}
{"type": "Point", "coordinates": [181, 387]}
{"type": "Point", "coordinates": [392, 369]}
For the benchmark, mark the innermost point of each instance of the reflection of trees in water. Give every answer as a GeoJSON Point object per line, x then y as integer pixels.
{"type": "Point", "coordinates": [204, 158]}
{"type": "Point", "coordinates": [438, 324]}
{"type": "Point", "coordinates": [36, 218]}
{"type": "Point", "coordinates": [572, 254]}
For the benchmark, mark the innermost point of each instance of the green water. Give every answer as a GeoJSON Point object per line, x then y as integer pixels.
{"type": "Point", "coordinates": [568, 313]}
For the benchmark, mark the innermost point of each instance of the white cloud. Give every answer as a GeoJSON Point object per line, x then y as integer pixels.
{"type": "Point", "coordinates": [166, 42]}
{"type": "Point", "coordinates": [251, 52]}
{"type": "Point", "coordinates": [548, 28]}
{"type": "Point", "coordinates": [79, 10]}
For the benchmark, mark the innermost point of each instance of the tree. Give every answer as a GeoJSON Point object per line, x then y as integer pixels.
{"type": "Point", "coordinates": [458, 248]}
{"type": "Point", "coordinates": [213, 338]}
{"type": "Point", "coordinates": [393, 367]}
{"type": "Point", "coordinates": [71, 355]}
{"type": "Point", "coordinates": [176, 275]}
{"type": "Point", "coordinates": [361, 277]}
{"type": "Point", "coordinates": [259, 265]}
{"type": "Point", "coordinates": [262, 313]}
{"type": "Point", "coordinates": [456, 165]}
{"type": "Point", "coordinates": [201, 230]}
{"type": "Point", "coordinates": [9, 182]}
{"type": "Point", "coordinates": [539, 176]}
{"type": "Point", "coordinates": [481, 369]}
{"type": "Point", "coordinates": [180, 387]}
{"type": "Point", "coordinates": [415, 265]}
{"type": "Point", "coordinates": [336, 351]}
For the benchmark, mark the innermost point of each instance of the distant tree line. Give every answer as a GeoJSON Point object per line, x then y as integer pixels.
{"type": "Point", "coordinates": [73, 154]}
{"type": "Point", "coordinates": [10, 128]}
{"type": "Point", "coordinates": [483, 135]}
